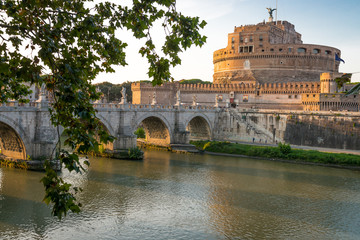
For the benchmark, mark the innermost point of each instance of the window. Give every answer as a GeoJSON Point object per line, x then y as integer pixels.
{"type": "Point", "coordinates": [290, 49]}
{"type": "Point", "coordinates": [327, 52]}
{"type": "Point", "coordinates": [280, 49]}
{"type": "Point", "coordinates": [301, 50]}
{"type": "Point", "coordinates": [316, 51]}
{"type": "Point", "coordinates": [251, 38]}
{"type": "Point", "coordinates": [232, 46]}
{"type": "Point", "coordinates": [271, 49]}
{"type": "Point", "coordinates": [246, 49]}
{"type": "Point", "coordinates": [262, 50]}
{"type": "Point", "coordinates": [232, 40]}
{"type": "Point", "coordinates": [260, 38]}
{"type": "Point", "coordinates": [295, 96]}
{"type": "Point", "coordinates": [289, 96]}
{"type": "Point", "coordinates": [241, 39]}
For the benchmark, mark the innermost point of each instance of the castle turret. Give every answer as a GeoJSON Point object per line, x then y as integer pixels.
{"type": "Point", "coordinates": [327, 82]}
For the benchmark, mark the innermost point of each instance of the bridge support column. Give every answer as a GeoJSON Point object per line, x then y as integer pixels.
{"type": "Point", "coordinates": [181, 137]}
{"type": "Point", "coordinates": [121, 146]}
{"type": "Point", "coordinates": [124, 142]}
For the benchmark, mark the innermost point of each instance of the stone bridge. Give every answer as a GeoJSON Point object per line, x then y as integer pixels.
{"type": "Point", "coordinates": [26, 130]}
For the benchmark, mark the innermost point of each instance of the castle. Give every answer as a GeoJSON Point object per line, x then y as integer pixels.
{"type": "Point", "coordinates": [264, 66]}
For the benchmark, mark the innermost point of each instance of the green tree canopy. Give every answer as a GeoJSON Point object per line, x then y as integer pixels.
{"type": "Point", "coordinates": [193, 81]}
{"type": "Point", "coordinates": [71, 42]}
{"type": "Point", "coordinates": [112, 92]}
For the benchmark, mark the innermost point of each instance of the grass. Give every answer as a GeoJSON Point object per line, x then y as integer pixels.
{"type": "Point", "coordinates": [283, 151]}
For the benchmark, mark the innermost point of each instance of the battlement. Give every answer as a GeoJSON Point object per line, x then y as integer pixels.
{"type": "Point", "coordinates": [309, 51]}
{"type": "Point", "coordinates": [283, 25]}
{"type": "Point", "coordinates": [266, 88]}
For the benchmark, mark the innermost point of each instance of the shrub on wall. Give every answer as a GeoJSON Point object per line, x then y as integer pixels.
{"type": "Point", "coordinates": [135, 153]}
{"type": "Point", "coordinates": [140, 133]}
{"type": "Point", "coordinates": [284, 148]}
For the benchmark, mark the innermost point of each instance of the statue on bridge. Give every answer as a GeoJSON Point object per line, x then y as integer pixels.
{"type": "Point", "coordinates": [154, 99]}
{"type": "Point", "coordinates": [194, 100]}
{"type": "Point", "coordinates": [42, 94]}
{"type": "Point", "coordinates": [216, 100]}
{"type": "Point", "coordinates": [178, 100]}
{"type": "Point", "coordinates": [123, 94]}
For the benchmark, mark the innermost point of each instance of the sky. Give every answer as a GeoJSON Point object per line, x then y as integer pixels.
{"type": "Point", "coordinates": [332, 23]}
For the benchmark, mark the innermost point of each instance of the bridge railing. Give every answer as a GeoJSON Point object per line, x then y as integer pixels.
{"type": "Point", "coordinates": [16, 104]}
{"type": "Point", "coordinates": [45, 104]}
{"type": "Point", "coordinates": [149, 106]}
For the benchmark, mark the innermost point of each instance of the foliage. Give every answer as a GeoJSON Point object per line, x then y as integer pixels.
{"type": "Point", "coordinates": [70, 43]}
{"type": "Point", "coordinates": [112, 92]}
{"type": "Point", "coordinates": [140, 133]}
{"type": "Point", "coordinates": [193, 81]}
{"type": "Point", "coordinates": [284, 148]}
{"type": "Point", "coordinates": [13, 163]}
{"type": "Point", "coordinates": [284, 152]}
{"type": "Point", "coordinates": [135, 153]}
{"type": "Point", "coordinates": [345, 78]}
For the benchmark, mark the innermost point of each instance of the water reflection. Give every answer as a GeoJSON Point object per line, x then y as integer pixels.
{"type": "Point", "coordinates": [179, 196]}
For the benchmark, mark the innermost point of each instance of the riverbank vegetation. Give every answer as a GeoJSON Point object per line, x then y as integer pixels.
{"type": "Point", "coordinates": [282, 151]}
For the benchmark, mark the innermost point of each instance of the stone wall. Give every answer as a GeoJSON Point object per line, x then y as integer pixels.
{"type": "Point", "coordinates": [249, 95]}
{"type": "Point", "coordinates": [321, 129]}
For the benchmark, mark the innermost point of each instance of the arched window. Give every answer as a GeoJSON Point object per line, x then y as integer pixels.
{"type": "Point", "coordinates": [316, 51]}
{"type": "Point", "coordinates": [301, 50]}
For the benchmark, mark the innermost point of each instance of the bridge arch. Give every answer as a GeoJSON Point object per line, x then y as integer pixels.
{"type": "Point", "coordinates": [157, 129]}
{"type": "Point", "coordinates": [107, 125]}
{"type": "Point", "coordinates": [13, 140]}
{"type": "Point", "coordinates": [199, 127]}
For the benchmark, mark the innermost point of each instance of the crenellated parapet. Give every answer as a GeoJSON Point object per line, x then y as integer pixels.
{"type": "Point", "coordinates": [290, 88]}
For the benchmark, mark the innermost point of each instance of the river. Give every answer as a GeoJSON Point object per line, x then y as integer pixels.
{"type": "Point", "coordinates": [182, 196]}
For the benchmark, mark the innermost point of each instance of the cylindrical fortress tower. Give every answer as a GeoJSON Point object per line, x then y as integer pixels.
{"type": "Point", "coordinates": [269, 53]}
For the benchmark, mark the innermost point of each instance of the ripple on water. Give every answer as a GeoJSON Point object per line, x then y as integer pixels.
{"type": "Point", "coordinates": [170, 196]}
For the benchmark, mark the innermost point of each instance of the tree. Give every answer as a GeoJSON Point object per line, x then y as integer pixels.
{"type": "Point", "coordinates": [112, 92]}
{"type": "Point", "coordinates": [193, 81]}
{"type": "Point", "coordinates": [70, 42]}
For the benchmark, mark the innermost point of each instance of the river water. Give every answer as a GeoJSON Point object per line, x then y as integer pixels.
{"type": "Point", "coordinates": [181, 196]}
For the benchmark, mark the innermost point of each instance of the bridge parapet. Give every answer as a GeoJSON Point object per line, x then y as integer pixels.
{"type": "Point", "coordinates": [151, 107]}
{"type": "Point", "coordinates": [168, 124]}
{"type": "Point", "coordinates": [16, 104]}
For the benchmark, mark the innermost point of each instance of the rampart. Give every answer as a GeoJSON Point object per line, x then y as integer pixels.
{"type": "Point", "coordinates": [321, 129]}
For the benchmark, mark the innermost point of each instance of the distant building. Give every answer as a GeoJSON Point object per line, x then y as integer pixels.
{"type": "Point", "coordinates": [264, 66]}
{"type": "Point", "coordinates": [271, 52]}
